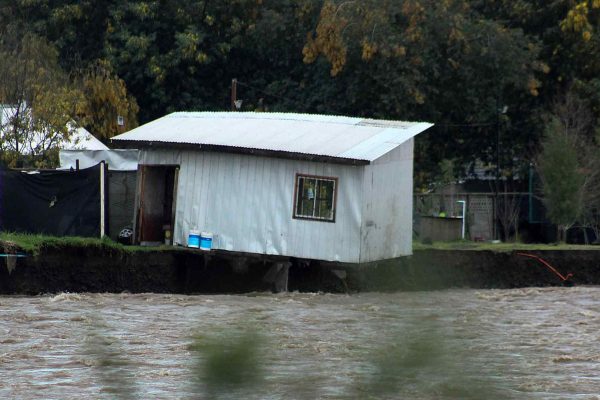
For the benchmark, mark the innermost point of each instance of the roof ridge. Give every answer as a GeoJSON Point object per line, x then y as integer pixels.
{"type": "Point", "coordinates": [278, 116]}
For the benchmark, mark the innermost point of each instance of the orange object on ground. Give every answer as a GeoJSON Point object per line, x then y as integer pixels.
{"type": "Point", "coordinates": [550, 267]}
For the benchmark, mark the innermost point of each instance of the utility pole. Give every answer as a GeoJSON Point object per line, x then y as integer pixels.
{"type": "Point", "coordinates": [496, 231]}
{"type": "Point", "coordinates": [499, 112]}
{"type": "Point", "coordinates": [233, 94]}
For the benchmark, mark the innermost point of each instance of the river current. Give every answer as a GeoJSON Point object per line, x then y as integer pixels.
{"type": "Point", "coordinates": [534, 343]}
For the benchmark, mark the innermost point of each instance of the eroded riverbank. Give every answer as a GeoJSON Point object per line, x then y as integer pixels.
{"type": "Point", "coordinates": [106, 269]}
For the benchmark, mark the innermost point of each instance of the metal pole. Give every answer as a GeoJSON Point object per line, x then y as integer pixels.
{"type": "Point", "coordinates": [233, 94]}
{"type": "Point", "coordinates": [496, 232]}
{"type": "Point", "coordinates": [530, 213]}
{"type": "Point", "coordinates": [464, 212]}
{"type": "Point", "coordinates": [102, 200]}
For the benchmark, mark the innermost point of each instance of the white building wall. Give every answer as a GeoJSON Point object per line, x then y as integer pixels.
{"type": "Point", "coordinates": [386, 230]}
{"type": "Point", "coordinates": [247, 203]}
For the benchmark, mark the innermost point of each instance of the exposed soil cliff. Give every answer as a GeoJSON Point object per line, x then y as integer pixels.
{"type": "Point", "coordinates": [98, 269]}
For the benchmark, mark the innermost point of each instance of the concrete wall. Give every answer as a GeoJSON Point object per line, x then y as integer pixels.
{"type": "Point", "coordinates": [440, 229]}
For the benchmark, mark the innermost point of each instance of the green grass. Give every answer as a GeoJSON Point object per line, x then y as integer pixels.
{"type": "Point", "coordinates": [501, 247]}
{"type": "Point", "coordinates": [33, 243]}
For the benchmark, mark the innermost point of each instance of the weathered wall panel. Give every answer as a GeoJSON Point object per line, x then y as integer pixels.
{"type": "Point", "coordinates": [247, 202]}
{"type": "Point", "coordinates": [386, 230]}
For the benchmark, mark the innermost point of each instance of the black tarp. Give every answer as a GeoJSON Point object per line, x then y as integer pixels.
{"type": "Point", "coordinates": [60, 203]}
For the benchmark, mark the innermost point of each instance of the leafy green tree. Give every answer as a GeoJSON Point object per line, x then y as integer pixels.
{"type": "Point", "coordinates": [561, 175]}
{"type": "Point", "coordinates": [76, 27]}
{"type": "Point", "coordinates": [436, 61]}
{"type": "Point", "coordinates": [576, 117]}
{"type": "Point", "coordinates": [456, 63]}
{"type": "Point", "coordinates": [177, 53]}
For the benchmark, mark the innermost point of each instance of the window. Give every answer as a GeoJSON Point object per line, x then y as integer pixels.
{"type": "Point", "coordinates": [315, 198]}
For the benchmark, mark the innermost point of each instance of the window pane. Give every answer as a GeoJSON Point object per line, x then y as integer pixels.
{"type": "Point", "coordinates": [308, 197]}
{"type": "Point", "coordinates": [299, 196]}
{"type": "Point", "coordinates": [325, 199]}
{"type": "Point", "coordinates": [315, 198]}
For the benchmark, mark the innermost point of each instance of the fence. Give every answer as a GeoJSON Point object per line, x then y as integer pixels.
{"type": "Point", "coordinates": [481, 210]}
{"type": "Point", "coordinates": [66, 203]}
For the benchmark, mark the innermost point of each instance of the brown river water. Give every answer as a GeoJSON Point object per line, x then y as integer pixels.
{"type": "Point", "coordinates": [502, 344]}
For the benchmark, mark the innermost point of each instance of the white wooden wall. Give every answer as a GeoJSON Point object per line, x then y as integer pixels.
{"type": "Point", "coordinates": [247, 201]}
{"type": "Point", "coordinates": [386, 230]}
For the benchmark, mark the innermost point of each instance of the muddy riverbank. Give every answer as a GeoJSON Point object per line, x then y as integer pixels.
{"type": "Point", "coordinates": [105, 269]}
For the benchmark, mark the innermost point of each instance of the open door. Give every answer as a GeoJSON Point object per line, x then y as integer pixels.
{"type": "Point", "coordinates": [156, 208]}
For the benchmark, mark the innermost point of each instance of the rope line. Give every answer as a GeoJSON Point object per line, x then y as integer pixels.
{"type": "Point", "coordinates": [550, 267]}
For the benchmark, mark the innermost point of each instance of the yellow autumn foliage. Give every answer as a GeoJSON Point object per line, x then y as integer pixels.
{"type": "Point", "coordinates": [533, 85]}
{"type": "Point", "coordinates": [369, 50]}
{"type": "Point", "coordinates": [328, 39]}
{"type": "Point", "coordinates": [577, 18]}
{"type": "Point", "coordinates": [107, 98]}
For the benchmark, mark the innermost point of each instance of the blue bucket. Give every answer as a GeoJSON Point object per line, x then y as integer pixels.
{"type": "Point", "coordinates": [194, 239]}
{"type": "Point", "coordinates": [206, 241]}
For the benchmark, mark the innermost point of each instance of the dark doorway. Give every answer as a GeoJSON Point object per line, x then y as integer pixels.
{"type": "Point", "coordinates": [156, 209]}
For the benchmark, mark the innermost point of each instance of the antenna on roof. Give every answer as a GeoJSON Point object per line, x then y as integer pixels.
{"type": "Point", "coordinates": [234, 100]}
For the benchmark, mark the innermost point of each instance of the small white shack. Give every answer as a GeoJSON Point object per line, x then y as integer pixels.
{"type": "Point", "coordinates": [308, 186]}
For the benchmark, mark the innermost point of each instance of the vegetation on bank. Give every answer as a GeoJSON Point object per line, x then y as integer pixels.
{"type": "Point", "coordinates": [33, 244]}
{"type": "Point", "coordinates": [500, 247]}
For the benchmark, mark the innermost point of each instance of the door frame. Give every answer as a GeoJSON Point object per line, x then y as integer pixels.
{"type": "Point", "coordinates": [138, 221]}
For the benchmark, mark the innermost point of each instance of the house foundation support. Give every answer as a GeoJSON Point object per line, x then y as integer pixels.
{"type": "Point", "coordinates": [277, 276]}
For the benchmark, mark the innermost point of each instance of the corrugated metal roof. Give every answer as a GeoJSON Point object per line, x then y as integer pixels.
{"type": "Point", "coordinates": [334, 137]}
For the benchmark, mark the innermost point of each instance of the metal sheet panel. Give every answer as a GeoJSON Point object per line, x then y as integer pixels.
{"type": "Point", "coordinates": [386, 230]}
{"type": "Point", "coordinates": [247, 202]}
{"type": "Point", "coordinates": [331, 136]}
{"type": "Point", "coordinates": [117, 160]}
{"type": "Point", "coordinates": [385, 141]}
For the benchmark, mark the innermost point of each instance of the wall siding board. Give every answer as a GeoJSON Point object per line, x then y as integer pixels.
{"type": "Point", "coordinates": [244, 211]}
{"type": "Point", "coordinates": [247, 202]}
{"type": "Point", "coordinates": [186, 177]}
{"type": "Point", "coordinates": [204, 192]}
{"type": "Point", "coordinates": [386, 230]}
{"type": "Point", "coordinates": [189, 196]}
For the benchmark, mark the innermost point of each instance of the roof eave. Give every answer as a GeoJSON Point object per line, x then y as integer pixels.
{"type": "Point", "coordinates": [138, 144]}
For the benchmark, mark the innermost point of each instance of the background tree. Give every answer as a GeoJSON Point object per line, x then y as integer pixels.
{"type": "Point", "coordinates": [561, 176]}
{"type": "Point", "coordinates": [508, 208]}
{"type": "Point", "coordinates": [437, 61]}
{"type": "Point", "coordinates": [107, 99]}
{"type": "Point", "coordinates": [575, 116]}
{"type": "Point", "coordinates": [452, 62]}
{"type": "Point", "coordinates": [39, 100]}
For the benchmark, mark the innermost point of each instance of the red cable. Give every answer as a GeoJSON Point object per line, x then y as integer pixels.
{"type": "Point", "coordinates": [563, 278]}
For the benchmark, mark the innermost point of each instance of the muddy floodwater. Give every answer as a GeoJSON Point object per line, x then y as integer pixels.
{"type": "Point", "coordinates": [514, 344]}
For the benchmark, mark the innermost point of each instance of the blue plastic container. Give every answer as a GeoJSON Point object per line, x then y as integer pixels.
{"type": "Point", "coordinates": [194, 239]}
{"type": "Point", "coordinates": [206, 241]}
